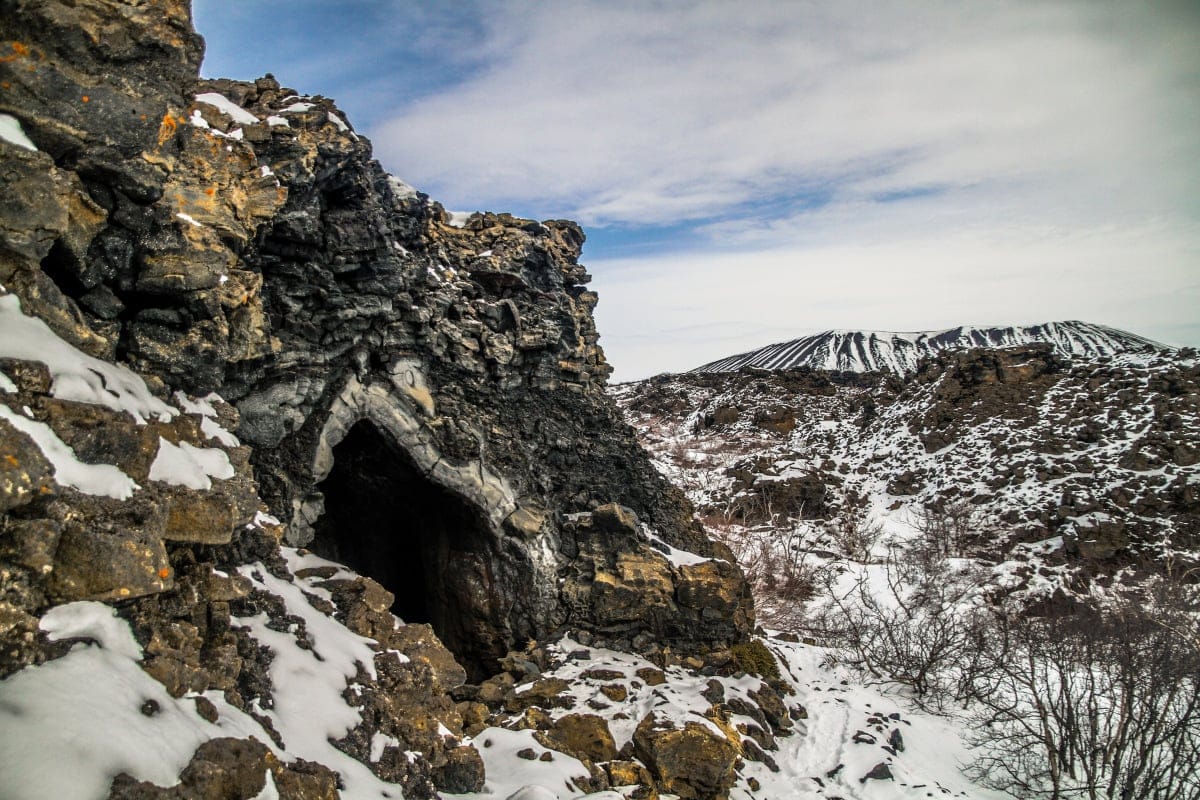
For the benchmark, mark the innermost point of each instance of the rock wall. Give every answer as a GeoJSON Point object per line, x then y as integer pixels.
{"type": "Point", "coordinates": [234, 237]}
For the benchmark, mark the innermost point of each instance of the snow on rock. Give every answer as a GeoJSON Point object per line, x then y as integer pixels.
{"type": "Point", "coordinates": [510, 776]}
{"type": "Point", "coordinates": [838, 707]}
{"type": "Point", "coordinates": [199, 405]}
{"type": "Point", "coordinates": [67, 727]}
{"type": "Point", "coordinates": [309, 708]}
{"type": "Point", "coordinates": [840, 729]}
{"type": "Point", "coordinates": [213, 430]}
{"type": "Point", "coordinates": [400, 189]}
{"type": "Point", "coordinates": [203, 406]}
{"type": "Point", "coordinates": [88, 619]}
{"type": "Point", "coordinates": [458, 219]}
{"type": "Point", "coordinates": [97, 479]}
{"type": "Point", "coordinates": [184, 464]}
{"type": "Point", "coordinates": [6, 383]}
{"type": "Point", "coordinates": [227, 107]}
{"type": "Point", "coordinates": [680, 558]}
{"type": "Point", "coordinates": [197, 120]}
{"type": "Point", "coordinates": [77, 376]}
{"type": "Point", "coordinates": [12, 132]}
{"type": "Point", "coordinates": [262, 519]}
{"type": "Point", "coordinates": [1029, 446]}
{"type": "Point", "coordinates": [269, 790]}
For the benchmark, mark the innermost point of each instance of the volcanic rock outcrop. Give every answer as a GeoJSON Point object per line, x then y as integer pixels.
{"type": "Point", "coordinates": [415, 394]}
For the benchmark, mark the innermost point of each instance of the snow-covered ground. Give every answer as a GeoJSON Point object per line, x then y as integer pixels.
{"type": "Point", "coordinates": [1032, 467]}
{"type": "Point", "coordinates": [97, 710]}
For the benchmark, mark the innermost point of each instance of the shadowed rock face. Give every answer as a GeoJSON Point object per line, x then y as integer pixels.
{"type": "Point", "coordinates": [251, 246]}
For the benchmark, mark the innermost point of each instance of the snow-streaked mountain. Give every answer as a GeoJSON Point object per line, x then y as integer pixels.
{"type": "Point", "coordinates": [891, 351]}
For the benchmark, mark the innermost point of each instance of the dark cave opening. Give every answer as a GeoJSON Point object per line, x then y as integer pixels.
{"type": "Point", "coordinates": [427, 545]}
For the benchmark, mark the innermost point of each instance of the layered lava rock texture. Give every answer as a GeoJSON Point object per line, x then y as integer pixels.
{"type": "Point", "coordinates": [415, 394]}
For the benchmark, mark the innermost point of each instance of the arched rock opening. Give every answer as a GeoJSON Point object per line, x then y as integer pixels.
{"type": "Point", "coordinates": [429, 546]}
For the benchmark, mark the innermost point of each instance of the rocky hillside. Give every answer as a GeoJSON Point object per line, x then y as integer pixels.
{"type": "Point", "coordinates": [900, 353]}
{"type": "Point", "coordinates": [235, 238]}
{"type": "Point", "coordinates": [1048, 470]}
{"type": "Point", "coordinates": [310, 489]}
{"type": "Point", "coordinates": [302, 478]}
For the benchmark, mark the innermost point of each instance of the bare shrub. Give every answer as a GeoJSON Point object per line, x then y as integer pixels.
{"type": "Point", "coordinates": [917, 630]}
{"type": "Point", "coordinates": [782, 574]}
{"type": "Point", "coordinates": [1100, 704]}
{"type": "Point", "coordinates": [951, 528]}
{"type": "Point", "coordinates": [856, 534]}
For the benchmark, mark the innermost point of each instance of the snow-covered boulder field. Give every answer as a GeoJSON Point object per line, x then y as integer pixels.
{"type": "Point", "coordinates": [210, 660]}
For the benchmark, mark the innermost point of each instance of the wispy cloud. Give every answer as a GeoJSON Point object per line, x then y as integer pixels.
{"type": "Point", "coordinates": [646, 113]}
{"type": "Point", "coordinates": [679, 311]}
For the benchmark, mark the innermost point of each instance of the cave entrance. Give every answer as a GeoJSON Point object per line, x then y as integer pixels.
{"type": "Point", "coordinates": [427, 545]}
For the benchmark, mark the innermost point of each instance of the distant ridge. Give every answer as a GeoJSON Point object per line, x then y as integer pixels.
{"type": "Point", "coordinates": [890, 351]}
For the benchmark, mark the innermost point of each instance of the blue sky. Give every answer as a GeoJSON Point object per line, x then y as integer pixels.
{"type": "Point", "coordinates": [753, 172]}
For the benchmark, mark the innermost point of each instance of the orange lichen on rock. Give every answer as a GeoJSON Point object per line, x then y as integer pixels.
{"type": "Point", "coordinates": [167, 129]}
{"type": "Point", "coordinates": [18, 51]}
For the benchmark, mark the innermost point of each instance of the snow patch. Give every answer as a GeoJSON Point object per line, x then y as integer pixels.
{"type": "Point", "coordinates": [98, 479]}
{"type": "Point", "coordinates": [186, 465]}
{"type": "Point", "coordinates": [198, 121]}
{"type": "Point", "coordinates": [213, 430]}
{"type": "Point", "coordinates": [269, 790]}
{"type": "Point", "coordinates": [381, 742]}
{"type": "Point", "coordinates": [400, 189]}
{"type": "Point", "coordinates": [77, 376]}
{"type": "Point", "coordinates": [262, 518]}
{"type": "Point", "coordinates": [513, 778]}
{"type": "Point", "coordinates": [68, 726]}
{"type": "Point", "coordinates": [227, 107]}
{"type": "Point", "coordinates": [12, 132]}
{"type": "Point", "coordinates": [680, 558]}
{"type": "Point", "coordinates": [309, 707]}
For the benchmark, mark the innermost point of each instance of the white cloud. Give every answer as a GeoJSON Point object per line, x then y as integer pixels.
{"type": "Point", "coordinates": [849, 164]}
{"type": "Point", "coordinates": [622, 112]}
{"type": "Point", "coordinates": [675, 312]}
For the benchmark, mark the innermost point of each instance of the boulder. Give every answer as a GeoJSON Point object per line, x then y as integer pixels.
{"type": "Point", "coordinates": [1096, 537]}
{"type": "Point", "coordinates": [693, 762]}
{"type": "Point", "coordinates": [25, 474]}
{"type": "Point", "coordinates": [222, 769]}
{"type": "Point", "coordinates": [585, 736]}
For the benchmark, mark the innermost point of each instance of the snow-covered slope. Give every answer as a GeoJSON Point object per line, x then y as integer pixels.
{"type": "Point", "coordinates": [868, 351]}
{"type": "Point", "coordinates": [1060, 468]}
